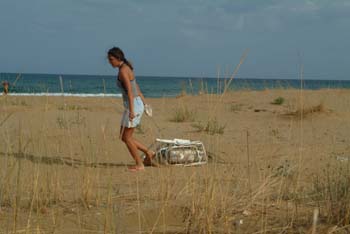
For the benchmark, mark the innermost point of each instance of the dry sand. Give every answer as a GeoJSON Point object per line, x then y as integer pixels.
{"type": "Point", "coordinates": [63, 167]}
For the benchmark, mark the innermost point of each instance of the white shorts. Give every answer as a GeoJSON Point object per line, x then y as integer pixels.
{"type": "Point", "coordinates": [138, 110]}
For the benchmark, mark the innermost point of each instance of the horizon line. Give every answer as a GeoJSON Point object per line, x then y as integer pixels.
{"type": "Point", "coordinates": [172, 76]}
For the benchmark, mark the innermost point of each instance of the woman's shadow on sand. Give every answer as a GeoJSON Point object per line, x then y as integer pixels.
{"type": "Point", "coordinates": [66, 161]}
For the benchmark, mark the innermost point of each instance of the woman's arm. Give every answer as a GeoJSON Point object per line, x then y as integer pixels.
{"type": "Point", "coordinates": [124, 77]}
{"type": "Point", "coordinates": [140, 93]}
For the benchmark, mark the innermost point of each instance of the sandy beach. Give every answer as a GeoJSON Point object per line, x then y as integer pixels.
{"type": "Point", "coordinates": [273, 168]}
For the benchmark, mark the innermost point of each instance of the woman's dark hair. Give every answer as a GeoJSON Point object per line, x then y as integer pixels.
{"type": "Point", "coordinates": [117, 53]}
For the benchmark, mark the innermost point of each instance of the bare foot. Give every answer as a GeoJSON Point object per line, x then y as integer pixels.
{"type": "Point", "coordinates": [136, 168]}
{"type": "Point", "coordinates": [149, 157]}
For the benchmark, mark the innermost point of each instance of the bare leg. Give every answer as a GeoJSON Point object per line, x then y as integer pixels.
{"type": "Point", "coordinates": [143, 148]}
{"type": "Point", "coordinates": [129, 141]}
{"type": "Point", "coordinates": [138, 144]}
{"type": "Point", "coordinates": [121, 131]}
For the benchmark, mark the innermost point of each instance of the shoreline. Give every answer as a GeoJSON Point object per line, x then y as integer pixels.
{"type": "Point", "coordinates": [119, 95]}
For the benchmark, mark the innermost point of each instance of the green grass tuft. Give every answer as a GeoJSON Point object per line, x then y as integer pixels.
{"type": "Point", "coordinates": [278, 101]}
{"type": "Point", "coordinates": [183, 114]}
{"type": "Point", "coordinates": [211, 127]}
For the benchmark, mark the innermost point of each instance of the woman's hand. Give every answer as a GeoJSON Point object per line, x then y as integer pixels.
{"type": "Point", "coordinates": [131, 116]}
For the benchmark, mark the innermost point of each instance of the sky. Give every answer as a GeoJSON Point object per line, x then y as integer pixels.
{"type": "Point", "coordinates": [187, 38]}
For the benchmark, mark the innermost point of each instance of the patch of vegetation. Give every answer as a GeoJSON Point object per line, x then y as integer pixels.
{"type": "Point", "coordinates": [78, 120]}
{"type": "Point", "coordinates": [278, 101]}
{"type": "Point", "coordinates": [332, 190]}
{"type": "Point", "coordinates": [23, 103]}
{"type": "Point", "coordinates": [202, 87]}
{"type": "Point", "coordinates": [183, 92]}
{"type": "Point", "coordinates": [183, 114]}
{"type": "Point", "coordinates": [306, 111]}
{"type": "Point", "coordinates": [64, 123]}
{"type": "Point", "coordinates": [16, 102]}
{"type": "Point", "coordinates": [284, 169]}
{"type": "Point", "coordinates": [211, 127]}
{"type": "Point", "coordinates": [236, 107]}
{"type": "Point", "coordinates": [72, 107]}
{"type": "Point", "coordinates": [275, 132]}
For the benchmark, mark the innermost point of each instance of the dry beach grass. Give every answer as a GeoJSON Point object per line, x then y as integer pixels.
{"type": "Point", "coordinates": [273, 168]}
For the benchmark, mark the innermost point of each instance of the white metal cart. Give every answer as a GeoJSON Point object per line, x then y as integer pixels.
{"type": "Point", "coordinates": [180, 152]}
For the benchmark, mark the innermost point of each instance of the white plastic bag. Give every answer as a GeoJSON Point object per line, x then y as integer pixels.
{"type": "Point", "coordinates": [148, 110]}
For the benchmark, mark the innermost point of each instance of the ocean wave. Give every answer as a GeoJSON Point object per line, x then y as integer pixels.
{"type": "Point", "coordinates": [68, 94]}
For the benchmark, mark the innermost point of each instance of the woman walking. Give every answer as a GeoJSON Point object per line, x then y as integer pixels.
{"type": "Point", "coordinates": [134, 102]}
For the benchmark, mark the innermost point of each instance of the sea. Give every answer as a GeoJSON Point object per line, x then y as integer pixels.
{"type": "Point", "coordinates": [151, 86]}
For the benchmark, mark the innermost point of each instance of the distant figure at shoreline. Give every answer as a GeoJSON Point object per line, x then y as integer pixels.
{"type": "Point", "coordinates": [5, 85]}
